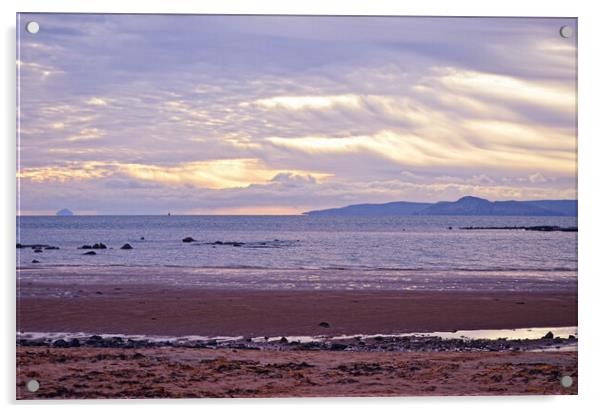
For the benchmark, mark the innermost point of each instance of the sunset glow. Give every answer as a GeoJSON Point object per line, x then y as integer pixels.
{"type": "Point", "coordinates": [281, 118]}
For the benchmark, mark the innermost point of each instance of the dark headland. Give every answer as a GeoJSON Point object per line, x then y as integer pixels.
{"type": "Point", "coordinates": [466, 206]}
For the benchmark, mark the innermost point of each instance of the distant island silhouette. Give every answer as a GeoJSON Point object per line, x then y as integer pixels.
{"type": "Point", "coordinates": [65, 212]}
{"type": "Point", "coordinates": [468, 205]}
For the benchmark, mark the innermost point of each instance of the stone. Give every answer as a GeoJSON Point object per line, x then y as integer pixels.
{"type": "Point", "coordinates": [188, 239]}
{"type": "Point", "coordinates": [60, 343]}
{"type": "Point", "coordinates": [37, 250]}
{"type": "Point", "coordinates": [89, 253]}
{"type": "Point", "coordinates": [35, 262]}
{"type": "Point", "coordinates": [549, 335]}
{"type": "Point", "coordinates": [338, 347]}
{"type": "Point", "coordinates": [283, 340]}
{"type": "Point", "coordinates": [324, 324]}
{"type": "Point", "coordinates": [127, 247]}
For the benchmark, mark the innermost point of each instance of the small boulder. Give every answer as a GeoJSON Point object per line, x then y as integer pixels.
{"type": "Point", "coordinates": [324, 324]}
{"type": "Point", "coordinates": [338, 347]}
{"type": "Point", "coordinates": [89, 253]}
{"type": "Point", "coordinates": [60, 343]}
{"type": "Point", "coordinates": [85, 247]}
{"type": "Point", "coordinates": [74, 343]}
{"type": "Point", "coordinates": [283, 340]}
{"type": "Point", "coordinates": [99, 246]}
{"type": "Point", "coordinates": [188, 239]}
{"type": "Point", "coordinates": [35, 262]}
{"type": "Point", "coordinates": [37, 250]}
{"type": "Point", "coordinates": [549, 335]}
{"type": "Point", "coordinates": [127, 247]}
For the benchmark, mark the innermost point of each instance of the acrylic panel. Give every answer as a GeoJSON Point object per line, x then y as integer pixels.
{"type": "Point", "coordinates": [295, 206]}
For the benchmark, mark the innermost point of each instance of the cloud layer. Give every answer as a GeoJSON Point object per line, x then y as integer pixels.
{"type": "Point", "coordinates": [230, 114]}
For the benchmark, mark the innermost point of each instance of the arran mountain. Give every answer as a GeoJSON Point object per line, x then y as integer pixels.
{"type": "Point", "coordinates": [468, 205]}
{"type": "Point", "coordinates": [391, 208]}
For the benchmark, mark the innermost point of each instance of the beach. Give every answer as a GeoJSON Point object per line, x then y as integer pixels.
{"type": "Point", "coordinates": [276, 343]}
{"type": "Point", "coordinates": [163, 310]}
{"type": "Point", "coordinates": [193, 373]}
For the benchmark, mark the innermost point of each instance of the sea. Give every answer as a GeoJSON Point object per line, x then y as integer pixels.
{"type": "Point", "coordinates": [304, 252]}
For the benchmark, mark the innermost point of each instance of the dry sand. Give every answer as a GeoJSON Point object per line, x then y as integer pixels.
{"type": "Point", "coordinates": [177, 373]}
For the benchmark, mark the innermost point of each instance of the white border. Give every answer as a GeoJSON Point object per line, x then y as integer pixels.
{"type": "Point", "coordinates": [590, 33]}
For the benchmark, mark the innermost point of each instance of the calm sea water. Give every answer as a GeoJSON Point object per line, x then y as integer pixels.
{"type": "Point", "coordinates": [377, 247]}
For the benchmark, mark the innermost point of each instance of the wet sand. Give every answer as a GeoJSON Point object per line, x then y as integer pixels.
{"type": "Point", "coordinates": [157, 310]}
{"type": "Point", "coordinates": [192, 373]}
{"type": "Point", "coordinates": [167, 371]}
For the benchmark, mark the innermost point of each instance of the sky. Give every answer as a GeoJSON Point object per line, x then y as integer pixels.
{"type": "Point", "coordinates": [149, 114]}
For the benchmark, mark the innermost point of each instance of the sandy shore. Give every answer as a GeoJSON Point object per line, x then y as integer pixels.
{"type": "Point", "coordinates": [177, 373]}
{"type": "Point", "coordinates": [157, 310]}
{"type": "Point", "coordinates": [165, 371]}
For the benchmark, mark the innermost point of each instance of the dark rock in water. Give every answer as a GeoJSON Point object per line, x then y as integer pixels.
{"type": "Point", "coordinates": [97, 246]}
{"type": "Point", "coordinates": [450, 227]}
{"type": "Point", "coordinates": [141, 238]}
{"type": "Point", "coordinates": [549, 335]}
{"type": "Point", "coordinates": [324, 324]}
{"type": "Point", "coordinates": [231, 243]}
{"type": "Point", "coordinates": [571, 337]}
{"type": "Point", "coordinates": [188, 239]}
{"type": "Point", "coordinates": [127, 247]}
{"type": "Point", "coordinates": [37, 250]}
{"type": "Point", "coordinates": [35, 262]}
{"type": "Point", "coordinates": [544, 228]}
{"type": "Point", "coordinates": [74, 342]}
{"type": "Point", "coordinates": [60, 343]}
{"type": "Point", "coordinates": [51, 248]}
{"type": "Point", "coordinates": [283, 340]}
{"type": "Point", "coordinates": [89, 253]}
{"type": "Point", "coordinates": [36, 246]}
